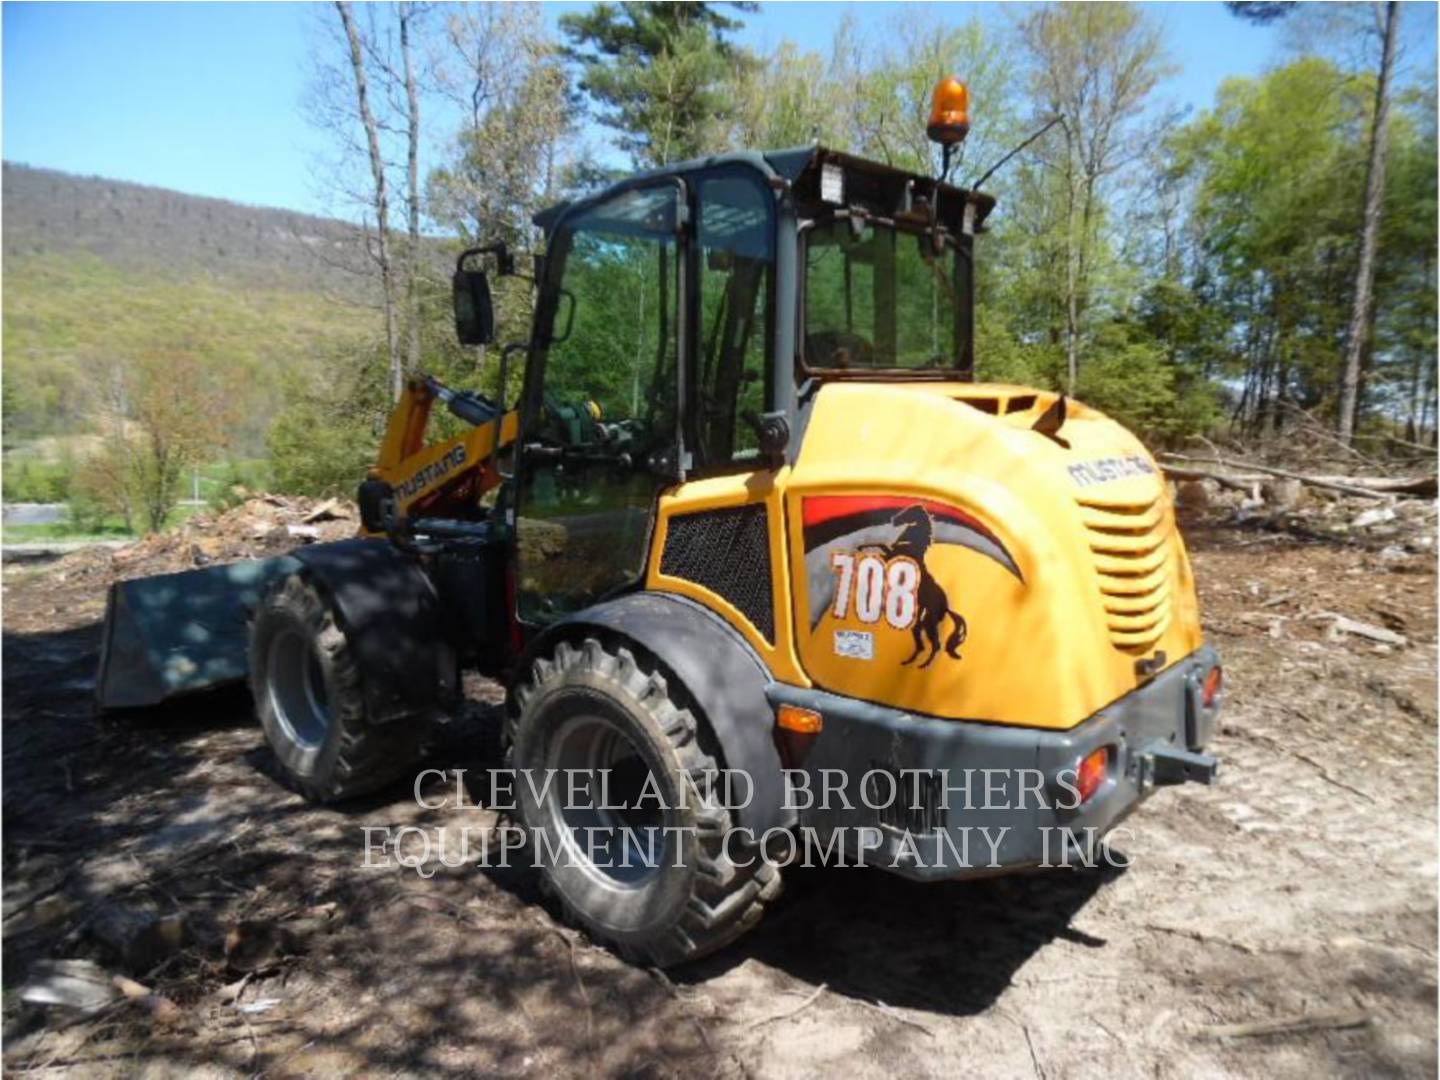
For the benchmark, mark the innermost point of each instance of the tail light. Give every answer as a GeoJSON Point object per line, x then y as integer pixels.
{"type": "Point", "coordinates": [1214, 681]}
{"type": "Point", "coordinates": [1092, 772]}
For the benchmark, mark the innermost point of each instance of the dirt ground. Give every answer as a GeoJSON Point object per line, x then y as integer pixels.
{"type": "Point", "coordinates": [1301, 886]}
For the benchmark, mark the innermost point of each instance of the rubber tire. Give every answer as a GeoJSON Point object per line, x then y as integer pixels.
{"type": "Point", "coordinates": [355, 757]}
{"type": "Point", "coordinates": [682, 911]}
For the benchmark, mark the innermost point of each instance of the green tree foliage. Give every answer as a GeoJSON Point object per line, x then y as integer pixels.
{"type": "Point", "coordinates": [165, 414]}
{"type": "Point", "coordinates": [1278, 169]}
{"type": "Point", "coordinates": [1400, 378]}
{"type": "Point", "coordinates": [324, 441]}
{"type": "Point", "coordinates": [872, 96]}
{"type": "Point", "coordinates": [659, 72]}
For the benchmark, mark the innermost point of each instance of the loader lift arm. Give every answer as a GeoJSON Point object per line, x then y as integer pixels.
{"type": "Point", "coordinates": [444, 479]}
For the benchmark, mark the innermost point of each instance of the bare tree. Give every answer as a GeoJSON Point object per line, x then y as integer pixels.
{"type": "Point", "coordinates": [1359, 331]}
{"type": "Point", "coordinates": [496, 64]}
{"type": "Point", "coordinates": [502, 69]}
{"type": "Point", "coordinates": [407, 13]}
{"type": "Point", "coordinates": [381, 197]}
{"type": "Point", "coordinates": [1092, 65]}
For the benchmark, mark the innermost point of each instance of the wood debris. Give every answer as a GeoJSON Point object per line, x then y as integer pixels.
{"type": "Point", "coordinates": [1342, 625]}
{"type": "Point", "coordinates": [75, 984]}
{"type": "Point", "coordinates": [1289, 1025]}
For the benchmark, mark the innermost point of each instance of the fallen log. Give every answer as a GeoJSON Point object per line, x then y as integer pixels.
{"type": "Point", "coordinates": [1422, 486]}
{"type": "Point", "coordinates": [1236, 483]}
{"type": "Point", "coordinates": [1244, 473]}
{"type": "Point", "coordinates": [1341, 625]}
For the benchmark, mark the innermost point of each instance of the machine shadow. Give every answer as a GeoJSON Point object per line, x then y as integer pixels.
{"type": "Point", "coordinates": [950, 947]}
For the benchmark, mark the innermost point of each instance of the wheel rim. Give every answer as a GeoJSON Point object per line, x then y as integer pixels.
{"type": "Point", "coordinates": [631, 848]}
{"type": "Point", "coordinates": [297, 688]}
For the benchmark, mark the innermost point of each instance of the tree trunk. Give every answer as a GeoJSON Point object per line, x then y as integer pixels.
{"type": "Point", "coordinates": [412, 179]}
{"type": "Point", "coordinates": [1072, 284]}
{"type": "Point", "coordinates": [1370, 234]}
{"type": "Point", "coordinates": [1418, 362]}
{"type": "Point", "coordinates": [1079, 291]}
{"type": "Point", "coordinates": [382, 203]}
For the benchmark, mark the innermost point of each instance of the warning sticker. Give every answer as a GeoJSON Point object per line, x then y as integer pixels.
{"type": "Point", "coordinates": [856, 644]}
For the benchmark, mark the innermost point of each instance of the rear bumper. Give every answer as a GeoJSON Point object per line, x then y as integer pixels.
{"type": "Point", "coordinates": [966, 799]}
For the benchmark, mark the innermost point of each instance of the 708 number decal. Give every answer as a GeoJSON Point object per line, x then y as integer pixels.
{"type": "Point", "coordinates": [880, 588]}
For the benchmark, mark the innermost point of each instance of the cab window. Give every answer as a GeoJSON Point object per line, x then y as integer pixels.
{"type": "Point", "coordinates": [736, 284]}
{"type": "Point", "coordinates": [600, 430]}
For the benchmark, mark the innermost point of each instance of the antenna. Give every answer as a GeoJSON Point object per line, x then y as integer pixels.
{"type": "Point", "coordinates": [1056, 119]}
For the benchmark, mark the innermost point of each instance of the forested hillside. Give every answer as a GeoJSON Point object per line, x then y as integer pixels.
{"type": "Point", "coordinates": [99, 274]}
{"type": "Point", "coordinates": [165, 233]}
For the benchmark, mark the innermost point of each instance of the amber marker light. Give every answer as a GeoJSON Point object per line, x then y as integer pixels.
{"type": "Point", "coordinates": [801, 721]}
{"type": "Point", "coordinates": [795, 732]}
{"type": "Point", "coordinates": [949, 112]}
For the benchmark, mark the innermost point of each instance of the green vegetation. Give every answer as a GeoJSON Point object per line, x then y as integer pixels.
{"type": "Point", "coordinates": [35, 481]}
{"type": "Point", "coordinates": [164, 373]}
{"type": "Point", "coordinates": [660, 74]}
{"type": "Point", "coordinates": [81, 529]}
{"type": "Point", "coordinates": [69, 320]}
{"type": "Point", "coordinates": [1186, 274]}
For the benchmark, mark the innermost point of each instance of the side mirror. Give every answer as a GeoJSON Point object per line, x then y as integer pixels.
{"type": "Point", "coordinates": [474, 313]}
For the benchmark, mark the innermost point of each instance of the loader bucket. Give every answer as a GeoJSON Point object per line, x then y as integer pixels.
{"type": "Point", "coordinates": [176, 633]}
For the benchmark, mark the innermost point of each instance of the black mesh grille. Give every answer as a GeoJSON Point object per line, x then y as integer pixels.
{"type": "Point", "coordinates": [728, 552]}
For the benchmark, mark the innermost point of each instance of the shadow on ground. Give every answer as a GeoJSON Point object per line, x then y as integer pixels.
{"type": "Point", "coordinates": [180, 808]}
{"type": "Point", "coordinates": [950, 947]}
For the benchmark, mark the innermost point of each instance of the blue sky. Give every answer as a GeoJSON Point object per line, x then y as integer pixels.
{"type": "Point", "coordinates": [206, 97]}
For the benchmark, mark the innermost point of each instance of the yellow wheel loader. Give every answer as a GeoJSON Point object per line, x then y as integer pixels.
{"type": "Point", "coordinates": [758, 561]}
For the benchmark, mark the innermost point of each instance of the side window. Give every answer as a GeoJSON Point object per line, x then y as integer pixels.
{"type": "Point", "coordinates": [617, 361]}
{"type": "Point", "coordinates": [602, 422]}
{"type": "Point", "coordinates": [733, 365]}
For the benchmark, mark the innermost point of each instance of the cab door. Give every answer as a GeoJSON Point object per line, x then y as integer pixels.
{"type": "Point", "coordinates": [601, 418]}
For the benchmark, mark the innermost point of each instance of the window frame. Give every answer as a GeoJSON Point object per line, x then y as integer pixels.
{"type": "Point", "coordinates": [548, 304]}
{"type": "Point", "coordinates": [691, 404]}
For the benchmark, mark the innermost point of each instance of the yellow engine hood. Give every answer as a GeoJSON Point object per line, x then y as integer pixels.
{"type": "Point", "coordinates": [950, 561]}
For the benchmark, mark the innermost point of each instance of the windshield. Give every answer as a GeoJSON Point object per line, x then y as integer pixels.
{"type": "Point", "coordinates": [880, 301]}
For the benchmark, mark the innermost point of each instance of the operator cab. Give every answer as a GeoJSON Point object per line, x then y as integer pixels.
{"type": "Point", "coordinates": [739, 278]}
{"type": "Point", "coordinates": [684, 318]}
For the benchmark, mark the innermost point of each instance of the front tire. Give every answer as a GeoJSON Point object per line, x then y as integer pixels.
{"type": "Point", "coordinates": [677, 885]}
{"type": "Point", "coordinates": [311, 703]}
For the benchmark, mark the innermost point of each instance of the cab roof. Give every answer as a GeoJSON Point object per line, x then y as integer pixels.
{"type": "Point", "coordinates": [872, 186]}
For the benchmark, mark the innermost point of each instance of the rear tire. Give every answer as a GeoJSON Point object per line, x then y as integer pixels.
{"type": "Point", "coordinates": [687, 893]}
{"type": "Point", "coordinates": [311, 703]}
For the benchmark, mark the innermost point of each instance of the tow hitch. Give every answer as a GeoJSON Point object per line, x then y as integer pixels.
{"type": "Point", "coordinates": [1171, 765]}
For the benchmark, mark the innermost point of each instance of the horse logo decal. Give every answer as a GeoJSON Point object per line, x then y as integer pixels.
{"type": "Point", "coordinates": [866, 560]}
{"type": "Point", "coordinates": [932, 604]}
